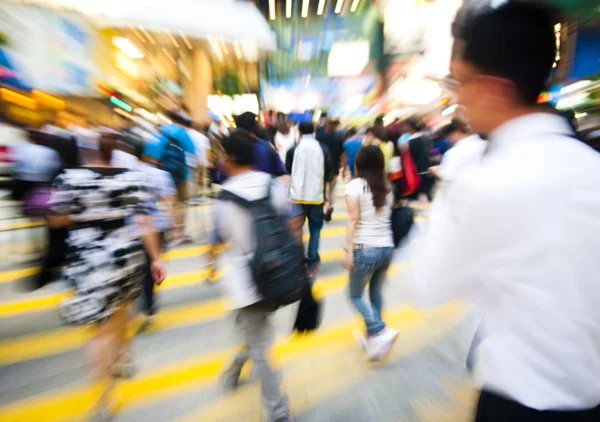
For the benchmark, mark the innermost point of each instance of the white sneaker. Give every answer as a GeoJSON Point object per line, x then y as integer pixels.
{"type": "Point", "coordinates": [361, 341]}
{"type": "Point", "coordinates": [380, 345]}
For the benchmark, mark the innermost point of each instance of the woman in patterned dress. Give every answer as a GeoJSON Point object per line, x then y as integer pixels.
{"type": "Point", "coordinates": [105, 210]}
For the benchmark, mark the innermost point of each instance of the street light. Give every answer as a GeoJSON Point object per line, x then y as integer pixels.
{"type": "Point", "coordinates": [321, 7]}
{"type": "Point", "coordinates": [272, 9]}
{"type": "Point", "coordinates": [305, 4]}
{"type": "Point", "coordinates": [338, 6]}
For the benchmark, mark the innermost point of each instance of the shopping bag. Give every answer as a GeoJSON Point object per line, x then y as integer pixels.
{"type": "Point", "coordinates": [412, 180]}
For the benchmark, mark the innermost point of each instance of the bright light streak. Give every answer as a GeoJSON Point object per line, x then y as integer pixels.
{"type": "Point", "coordinates": [122, 112]}
{"type": "Point", "coordinates": [223, 46]}
{"type": "Point", "coordinates": [288, 9]}
{"type": "Point", "coordinates": [48, 99]}
{"type": "Point", "coordinates": [215, 46]}
{"type": "Point", "coordinates": [308, 80]}
{"type": "Point", "coordinates": [164, 118]}
{"type": "Point", "coordinates": [354, 5]}
{"type": "Point", "coordinates": [317, 116]}
{"type": "Point", "coordinates": [321, 7]}
{"type": "Point", "coordinates": [272, 14]}
{"type": "Point", "coordinates": [571, 101]}
{"type": "Point", "coordinates": [236, 48]}
{"type": "Point", "coordinates": [127, 47]}
{"type": "Point", "coordinates": [575, 86]}
{"type": "Point", "coordinates": [185, 40]}
{"type": "Point", "coordinates": [225, 122]}
{"type": "Point", "coordinates": [339, 5]}
{"type": "Point", "coordinates": [137, 34]}
{"type": "Point", "coordinates": [169, 55]}
{"type": "Point", "coordinates": [173, 40]}
{"type": "Point", "coordinates": [147, 35]}
{"type": "Point", "coordinates": [449, 110]}
{"type": "Point", "coordinates": [305, 4]}
{"type": "Point", "coordinates": [580, 115]}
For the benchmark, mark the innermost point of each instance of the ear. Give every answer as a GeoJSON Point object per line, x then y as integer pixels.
{"type": "Point", "coordinates": [499, 92]}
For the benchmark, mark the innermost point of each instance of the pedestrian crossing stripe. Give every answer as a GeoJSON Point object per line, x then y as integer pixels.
{"type": "Point", "coordinates": [160, 384]}
{"type": "Point", "coordinates": [50, 301]}
{"type": "Point", "coordinates": [62, 340]}
{"type": "Point", "coordinates": [179, 253]}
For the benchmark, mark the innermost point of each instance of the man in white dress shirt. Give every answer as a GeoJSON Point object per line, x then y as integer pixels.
{"type": "Point", "coordinates": [522, 232]}
{"type": "Point", "coordinates": [467, 149]}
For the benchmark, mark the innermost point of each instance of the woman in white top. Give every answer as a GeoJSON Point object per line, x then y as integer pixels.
{"type": "Point", "coordinates": [370, 246]}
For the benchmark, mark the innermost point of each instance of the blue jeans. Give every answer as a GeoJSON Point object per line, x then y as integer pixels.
{"type": "Point", "coordinates": [371, 266]}
{"type": "Point", "coordinates": [314, 214]}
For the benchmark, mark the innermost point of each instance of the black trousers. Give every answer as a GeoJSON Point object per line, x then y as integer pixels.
{"type": "Point", "coordinates": [494, 408]}
{"type": "Point", "coordinates": [54, 258]}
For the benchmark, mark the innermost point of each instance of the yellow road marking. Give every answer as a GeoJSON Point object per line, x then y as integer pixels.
{"type": "Point", "coordinates": [164, 382]}
{"type": "Point", "coordinates": [179, 253]}
{"type": "Point", "coordinates": [22, 225]}
{"type": "Point", "coordinates": [8, 276]}
{"type": "Point", "coordinates": [37, 345]}
{"type": "Point", "coordinates": [324, 374]}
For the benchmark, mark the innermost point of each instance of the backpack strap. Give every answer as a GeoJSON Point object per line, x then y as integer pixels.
{"type": "Point", "coordinates": [226, 195]}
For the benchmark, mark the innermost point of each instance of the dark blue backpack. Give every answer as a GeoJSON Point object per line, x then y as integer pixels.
{"type": "Point", "coordinates": [173, 160]}
{"type": "Point", "coordinates": [277, 267]}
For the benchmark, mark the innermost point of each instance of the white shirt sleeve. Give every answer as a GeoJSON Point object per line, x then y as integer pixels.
{"type": "Point", "coordinates": [355, 188]}
{"type": "Point", "coordinates": [445, 267]}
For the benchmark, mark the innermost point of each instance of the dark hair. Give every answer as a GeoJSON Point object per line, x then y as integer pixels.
{"type": "Point", "coordinates": [414, 124]}
{"type": "Point", "coordinates": [239, 146]}
{"type": "Point", "coordinates": [516, 41]}
{"type": "Point", "coordinates": [370, 165]}
{"type": "Point", "coordinates": [456, 125]}
{"type": "Point", "coordinates": [247, 121]}
{"type": "Point", "coordinates": [180, 118]}
{"type": "Point", "coordinates": [306, 128]}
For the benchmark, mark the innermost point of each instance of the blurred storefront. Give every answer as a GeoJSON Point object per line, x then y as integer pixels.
{"type": "Point", "coordinates": [329, 57]}
{"type": "Point", "coordinates": [134, 55]}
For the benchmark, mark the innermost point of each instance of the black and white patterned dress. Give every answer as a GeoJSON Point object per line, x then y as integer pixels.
{"type": "Point", "coordinates": [105, 258]}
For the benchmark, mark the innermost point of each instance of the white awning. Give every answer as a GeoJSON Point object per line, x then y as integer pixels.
{"type": "Point", "coordinates": [202, 19]}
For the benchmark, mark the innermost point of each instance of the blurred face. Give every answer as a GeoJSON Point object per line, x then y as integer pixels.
{"type": "Point", "coordinates": [484, 99]}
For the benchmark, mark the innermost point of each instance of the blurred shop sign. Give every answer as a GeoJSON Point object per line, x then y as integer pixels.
{"type": "Point", "coordinates": [48, 49]}
{"type": "Point", "coordinates": [225, 105]}
{"type": "Point", "coordinates": [404, 26]}
{"type": "Point", "coordinates": [348, 58]}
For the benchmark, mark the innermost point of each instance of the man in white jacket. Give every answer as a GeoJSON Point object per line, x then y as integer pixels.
{"type": "Point", "coordinates": [310, 166]}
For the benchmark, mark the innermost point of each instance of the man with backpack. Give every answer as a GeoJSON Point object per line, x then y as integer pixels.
{"type": "Point", "coordinates": [266, 263]}
{"type": "Point", "coordinates": [266, 158]}
{"type": "Point", "coordinates": [176, 152]}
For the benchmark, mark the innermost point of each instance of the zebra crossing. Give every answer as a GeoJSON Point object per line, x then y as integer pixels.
{"type": "Point", "coordinates": [180, 354]}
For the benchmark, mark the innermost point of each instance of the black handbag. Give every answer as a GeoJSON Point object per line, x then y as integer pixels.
{"type": "Point", "coordinates": [310, 313]}
{"type": "Point", "coordinates": [402, 221]}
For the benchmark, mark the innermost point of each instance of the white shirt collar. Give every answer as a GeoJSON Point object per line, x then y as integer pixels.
{"type": "Point", "coordinates": [534, 124]}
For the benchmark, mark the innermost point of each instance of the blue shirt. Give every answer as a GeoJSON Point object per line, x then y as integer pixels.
{"type": "Point", "coordinates": [267, 160]}
{"type": "Point", "coordinates": [351, 147]}
{"type": "Point", "coordinates": [156, 150]}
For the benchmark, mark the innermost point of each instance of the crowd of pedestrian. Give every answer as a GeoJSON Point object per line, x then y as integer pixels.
{"type": "Point", "coordinates": [511, 229]}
